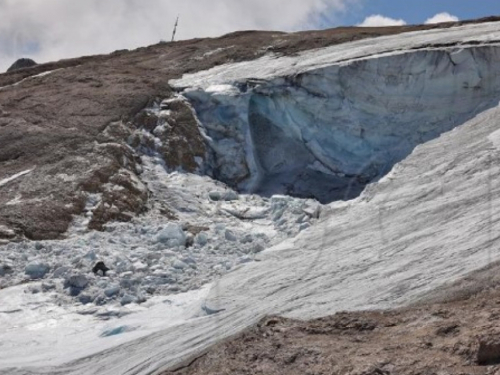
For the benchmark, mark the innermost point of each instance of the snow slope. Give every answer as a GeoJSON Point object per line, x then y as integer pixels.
{"type": "Point", "coordinates": [432, 219]}
{"type": "Point", "coordinates": [52, 334]}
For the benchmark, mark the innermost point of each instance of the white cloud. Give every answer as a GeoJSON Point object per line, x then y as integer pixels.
{"type": "Point", "coordinates": [54, 29]}
{"type": "Point", "coordinates": [379, 20]}
{"type": "Point", "coordinates": [442, 17]}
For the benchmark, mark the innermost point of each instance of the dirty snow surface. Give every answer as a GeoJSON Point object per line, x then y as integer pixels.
{"type": "Point", "coordinates": [175, 286]}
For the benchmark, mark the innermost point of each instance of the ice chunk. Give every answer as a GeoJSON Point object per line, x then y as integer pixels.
{"type": "Point", "coordinates": [112, 291]}
{"type": "Point", "coordinates": [36, 270]}
{"type": "Point", "coordinates": [139, 266]}
{"type": "Point", "coordinates": [313, 210]}
{"type": "Point", "coordinates": [248, 238]}
{"type": "Point", "coordinates": [230, 236]}
{"type": "Point", "coordinates": [5, 269]}
{"type": "Point", "coordinates": [257, 248]}
{"type": "Point", "coordinates": [116, 331]}
{"type": "Point", "coordinates": [179, 264]}
{"type": "Point", "coordinates": [77, 281]}
{"type": "Point", "coordinates": [201, 239]}
{"type": "Point", "coordinates": [228, 195]}
{"type": "Point", "coordinates": [172, 235]}
{"type": "Point", "coordinates": [127, 299]}
{"type": "Point", "coordinates": [61, 271]}
{"type": "Point", "coordinates": [304, 226]}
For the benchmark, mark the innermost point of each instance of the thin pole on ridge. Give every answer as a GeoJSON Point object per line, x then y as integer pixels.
{"type": "Point", "coordinates": [175, 28]}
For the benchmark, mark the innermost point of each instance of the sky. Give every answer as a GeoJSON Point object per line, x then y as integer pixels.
{"type": "Point", "coordinates": [47, 30]}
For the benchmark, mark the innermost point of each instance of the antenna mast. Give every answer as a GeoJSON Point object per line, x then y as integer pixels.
{"type": "Point", "coordinates": [175, 28]}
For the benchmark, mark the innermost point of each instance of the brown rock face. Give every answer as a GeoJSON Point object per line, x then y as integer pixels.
{"type": "Point", "coordinates": [54, 126]}
{"type": "Point", "coordinates": [177, 128]}
{"type": "Point", "coordinates": [72, 124]}
{"type": "Point", "coordinates": [488, 351]}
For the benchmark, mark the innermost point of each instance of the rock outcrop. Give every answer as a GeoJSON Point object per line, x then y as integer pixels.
{"type": "Point", "coordinates": [21, 64]}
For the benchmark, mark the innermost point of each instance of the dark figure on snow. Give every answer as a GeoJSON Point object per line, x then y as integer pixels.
{"type": "Point", "coordinates": [100, 267]}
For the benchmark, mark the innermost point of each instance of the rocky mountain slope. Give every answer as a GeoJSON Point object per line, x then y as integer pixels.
{"type": "Point", "coordinates": [79, 114]}
{"type": "Point", "coordinates": [258, 174]}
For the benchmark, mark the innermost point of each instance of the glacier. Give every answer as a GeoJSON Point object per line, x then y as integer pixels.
{"type": "Point", "coordinates": [324, 124]}
{"type": "Point", "coordinates": [412, 119]}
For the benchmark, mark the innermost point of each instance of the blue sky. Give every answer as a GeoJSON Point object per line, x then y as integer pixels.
{"type": "Point", "coordinates": [417, 11]}
{"type": "Point", "coordinates": [47, 30]}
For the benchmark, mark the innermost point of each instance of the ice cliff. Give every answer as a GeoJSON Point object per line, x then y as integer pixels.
{"type": "Point", "coordinates": [327, 122]}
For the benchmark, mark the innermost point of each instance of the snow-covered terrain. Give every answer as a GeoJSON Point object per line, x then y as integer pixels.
{"type": "Point", "coordinates": [431, 219]}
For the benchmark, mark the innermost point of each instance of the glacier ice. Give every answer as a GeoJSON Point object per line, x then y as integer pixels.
{"type": "Point", "coordinates": [36, 270]}
{"type": "Point", "coordinates": [325, 132]}
{"type": "Point", "coordinates": [172, 234]}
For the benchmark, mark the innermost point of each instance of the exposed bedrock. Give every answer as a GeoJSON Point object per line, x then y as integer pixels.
{"type": "Point", "coordinates": [326, 133]}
